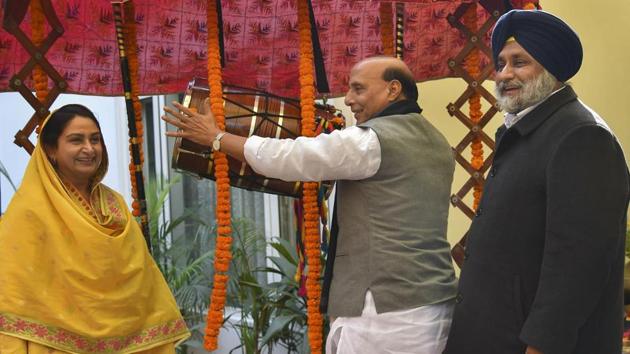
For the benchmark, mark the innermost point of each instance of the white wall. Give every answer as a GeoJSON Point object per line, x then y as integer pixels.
{"type": "Point", "coordinates": [111, 113]}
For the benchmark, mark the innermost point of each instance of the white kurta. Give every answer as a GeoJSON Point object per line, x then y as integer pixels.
{"type": "Point", "coordinates": [353, 153]}
{"type": "Point", "coordinates": [422, 330]}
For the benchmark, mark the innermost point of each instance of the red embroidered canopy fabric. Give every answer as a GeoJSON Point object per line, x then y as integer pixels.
{"type": "Point", "coordinates": [261, 43]}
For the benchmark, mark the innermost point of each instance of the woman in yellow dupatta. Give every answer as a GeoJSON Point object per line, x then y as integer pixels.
{"type": "Point", "coordinates": [76, 275]}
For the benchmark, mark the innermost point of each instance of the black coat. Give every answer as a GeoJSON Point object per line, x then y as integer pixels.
{"type": "Point", "coordinates": [545, 254]}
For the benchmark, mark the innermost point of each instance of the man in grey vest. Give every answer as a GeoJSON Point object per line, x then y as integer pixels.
{"type": "Point", "coordinates": [392, 286]}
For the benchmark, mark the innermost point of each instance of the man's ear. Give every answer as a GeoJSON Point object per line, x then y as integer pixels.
{"type": "Point", "coordinates": [394, 91]}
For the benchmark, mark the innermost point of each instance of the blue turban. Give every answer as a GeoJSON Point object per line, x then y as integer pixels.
{"type": "Point", "coordinates": [544, 36]}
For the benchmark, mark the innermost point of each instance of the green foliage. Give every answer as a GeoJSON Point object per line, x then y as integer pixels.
{"type": "Point", "coordinates": [265, 314]}
{"type": "Point", "coordinates": [270, 312]}
{"type": "Point", "coordinates": [185, 261]}
{"type": "Point", "coordinates": [5, 173]}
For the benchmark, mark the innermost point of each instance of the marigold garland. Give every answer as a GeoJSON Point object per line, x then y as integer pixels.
{"type": "Point", "coordinates": [529, 6]}
{"type": "Point", "coordinates": [223, 251]}
{"type": "Point", "coordinates": [40, 79]}
{"type": "Point", "coordinates": [471, 64]}
{"type": "Point", "coordinates": [309, 191]}
{"type": "Point", "coordinates": [387, 25]}
{"type": "Point", "coordinates": [130, 41]}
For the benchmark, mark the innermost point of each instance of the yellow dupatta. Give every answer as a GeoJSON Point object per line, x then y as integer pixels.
{"type": "Point", "coordinates": [72, 283]}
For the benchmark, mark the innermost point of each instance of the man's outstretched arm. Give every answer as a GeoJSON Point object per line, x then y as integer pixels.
{"type": "Point", "coordinates": [202, 129]}
{"type": "Point", "coordinates": [352, 153]}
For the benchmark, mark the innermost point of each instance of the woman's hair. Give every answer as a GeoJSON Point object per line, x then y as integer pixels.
{"type": "Point", "coordinates": [60, 119]}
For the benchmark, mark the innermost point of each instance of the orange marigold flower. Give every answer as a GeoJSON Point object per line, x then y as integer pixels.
{"type": "Point", "coordinates": [223, 241]}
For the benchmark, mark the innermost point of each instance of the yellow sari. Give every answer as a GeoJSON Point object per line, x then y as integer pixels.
{"type": "Point", "coordinates": [78, 278]}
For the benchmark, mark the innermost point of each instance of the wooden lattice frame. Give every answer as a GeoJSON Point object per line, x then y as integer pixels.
{"type": "Point", "coordinates": [11, 24]}
{"type": "Point", "coordinates": [457, 65]}
{"type": "Point", "coordinates": [474, 87]}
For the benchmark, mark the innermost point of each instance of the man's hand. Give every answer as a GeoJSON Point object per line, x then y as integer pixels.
{"type": "Point", "coordinates": [194, 126]}
{"type": "Point", "coordinates": [531, 350]}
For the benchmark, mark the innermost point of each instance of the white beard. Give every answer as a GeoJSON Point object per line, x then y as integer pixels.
{"type": "Point", "coordinates": [532, 92]}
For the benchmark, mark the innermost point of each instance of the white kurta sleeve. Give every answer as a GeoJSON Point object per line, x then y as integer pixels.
{"type": "Point", "coordinates": [352, 153]}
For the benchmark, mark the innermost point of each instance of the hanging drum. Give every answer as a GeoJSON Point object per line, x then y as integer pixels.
{"type": "Point", "coordinates": [249, 112]}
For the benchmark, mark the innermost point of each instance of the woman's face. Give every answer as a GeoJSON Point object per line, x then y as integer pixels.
{"type": "Point", "coordinates": [79, 150]}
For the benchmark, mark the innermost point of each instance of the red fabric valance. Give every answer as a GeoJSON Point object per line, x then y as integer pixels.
{"type": "Point", "coordinates": [261, 43]}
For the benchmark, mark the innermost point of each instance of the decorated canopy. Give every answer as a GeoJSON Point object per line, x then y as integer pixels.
{"type": "Point", "coordinates": [260, 39]}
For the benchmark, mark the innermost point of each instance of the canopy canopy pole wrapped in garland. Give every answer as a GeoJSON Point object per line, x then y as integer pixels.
{"type": "Point", "coordinates": [126, 34]}
{"type": "Point", "coordinates": [309, 195]}
{"type": "Point", "coordinates": [40, 79]}
{"type": "Point", "coordinates": [223, 253]}
{"type": "Point", "coordinates": [310, 190]}
{"type": "Point", "coordinates": [386, 28]}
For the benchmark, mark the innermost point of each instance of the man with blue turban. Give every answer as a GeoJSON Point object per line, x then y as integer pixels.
{"type": "Point", "coordinates": [544, 259]}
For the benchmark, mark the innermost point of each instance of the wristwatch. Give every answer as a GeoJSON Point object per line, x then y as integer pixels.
{"type": "Point", "coordinates": [216, 143]}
